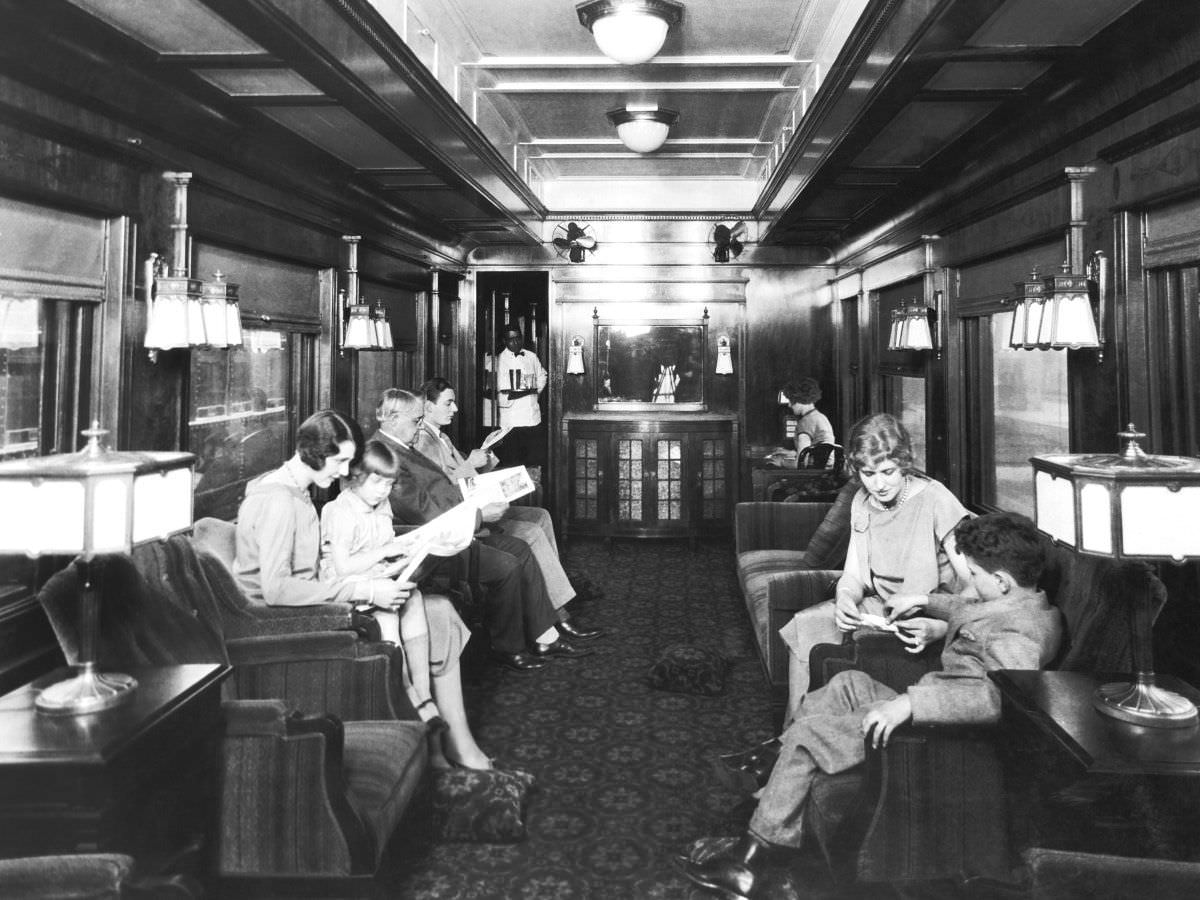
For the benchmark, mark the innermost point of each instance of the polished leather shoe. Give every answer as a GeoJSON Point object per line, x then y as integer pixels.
{"type": "Point", "coordinates": [574, 632]}
{"type": "Point", "coordinates": [519, 662]}
{"type": "Point", "coordinates": [560, 648]}
{"type": "Point", "coordinates": [730, 878]}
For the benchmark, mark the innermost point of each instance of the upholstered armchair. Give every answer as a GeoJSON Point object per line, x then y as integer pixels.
{"type": "Point", "coordinates": [301, 795]}
{"type": "Point", "coordinates": [932, 804]}
{"type": "Point", "coordinates": [788, 557]}
{"type": "Point", "coordinates": [96, 876]}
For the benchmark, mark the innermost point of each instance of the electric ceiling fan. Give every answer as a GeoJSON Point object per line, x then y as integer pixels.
{"type": "Point", "coordinates": [726, 240]}
{"type": "Point", "coordinates": [573, 240]}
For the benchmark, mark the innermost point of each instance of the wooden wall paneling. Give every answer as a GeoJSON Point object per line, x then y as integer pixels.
{"type": "Point", "coordinates": [783, 342]}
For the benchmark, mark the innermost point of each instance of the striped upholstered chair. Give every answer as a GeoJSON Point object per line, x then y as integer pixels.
{"type": "Point", "coordinates": [788, 557]}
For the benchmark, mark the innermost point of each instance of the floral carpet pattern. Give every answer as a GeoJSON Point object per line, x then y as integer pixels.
{"type": "Point", "coordinates": [624, 772]}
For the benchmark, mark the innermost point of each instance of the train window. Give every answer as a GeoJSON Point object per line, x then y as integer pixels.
{"type": "Point", "coordinates": [1031, 415]}
{"type": "Point", "coordinates": [904, 398]}
{"type": "Point", "coordinates": [21, 352]}
{"type": "Point", "coordinates": [239, 416]}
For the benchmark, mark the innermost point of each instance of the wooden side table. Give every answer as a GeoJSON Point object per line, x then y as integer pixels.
{"type": "Point", "coordinates": [1080, 780]}
{"type": "Point", "coordinates": [138, 778]}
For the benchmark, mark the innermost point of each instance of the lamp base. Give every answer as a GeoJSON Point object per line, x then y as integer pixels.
{"type": "Point", "coordinates": [87, 692]}
{"type": "Point", "coordinates": [1142, 702]}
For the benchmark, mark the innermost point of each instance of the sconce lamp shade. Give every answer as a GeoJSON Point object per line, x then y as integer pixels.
{"type": "Point", "coordinates": [910, 328]}
{"type": "Point", "coordinates": [383, 328]}
{"type": "Point", "coordinates": [629, 31]}
{"type": "Point", "coordinates": [1070, 323]}
{"type": "Point", "coordinates": [643, 128]}
{"type": "Point", "coordinates": [575, 356]}
{"type": "Point", "coordinates": [222, 314]}
{"type": "Point", "coordinates": [360, 330]}
{"type": "Point", "coordinates": [88, 503]}
{"type": "Point", "coordinates": [724, 356]}
{"type": "Point", "coordinates": [1126, 506]}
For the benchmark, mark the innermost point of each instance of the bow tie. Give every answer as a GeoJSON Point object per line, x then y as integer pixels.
{"type": "Point", "coordinates": [519, 353]}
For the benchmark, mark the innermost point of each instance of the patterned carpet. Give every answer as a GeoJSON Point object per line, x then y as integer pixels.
{"type": "Point", "coordinates": [624, 772]}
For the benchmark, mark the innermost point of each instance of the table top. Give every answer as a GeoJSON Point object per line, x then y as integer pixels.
{"type": "Point", "coordinates": [27, 736]}
{"type": "Point", "coordinates": [1060, 704]}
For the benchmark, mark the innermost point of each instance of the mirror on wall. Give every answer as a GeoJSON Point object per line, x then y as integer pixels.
{"type": "Point", "coordinates": [650, 363]}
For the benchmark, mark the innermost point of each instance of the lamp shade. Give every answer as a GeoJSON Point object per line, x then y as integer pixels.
{"type": "Point", "coordinates": [360, 330]}
{"type": "Point", "coordinates": [1125, 508]}
{"type": "Point", "coordinates": [94, 501]}
{"type": "Point", "coordinates": [629, 31]}
{"type": "Point", "coordinates": [643, 128]}
{"type": "Point", "coordinates": [1070, 324]}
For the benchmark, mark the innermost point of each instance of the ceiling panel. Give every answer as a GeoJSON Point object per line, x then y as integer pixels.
{"type": "Point", "coordinates": [338, 132]}
{"type": "Point", "coordinates": [259, 82]}
{"type": "Point", "coordinates": [1038, 22]}
{"type": "Point", "coordinates": [983, 76]}
{"type": "Point", "coordinates": [921, 131]}
{"type": "Point", "coordinates": [171, 26]}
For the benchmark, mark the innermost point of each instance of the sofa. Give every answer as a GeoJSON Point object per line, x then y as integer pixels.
{"type": "Point", "coordinates": [788, 557]}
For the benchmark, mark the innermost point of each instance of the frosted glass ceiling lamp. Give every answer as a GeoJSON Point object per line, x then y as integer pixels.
{"type": "Point", "coordinates": [643, 128]}
{"type": "Point", "coordinates": [629, 31]}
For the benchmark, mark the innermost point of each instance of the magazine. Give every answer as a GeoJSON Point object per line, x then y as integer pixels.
{"type": "Point", "coordinates": [497, 486]}
{"type": "Point", "coordinates": [495, 437]}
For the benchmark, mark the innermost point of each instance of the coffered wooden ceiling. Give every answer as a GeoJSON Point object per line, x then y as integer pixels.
{"type": "Point", "coordinates": [465, 123]}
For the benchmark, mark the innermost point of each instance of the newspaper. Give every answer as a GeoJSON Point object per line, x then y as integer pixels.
{"type": "Point", "coordinates": [448, 534]}
{"type": "Point", "coordinates": [497, 486]}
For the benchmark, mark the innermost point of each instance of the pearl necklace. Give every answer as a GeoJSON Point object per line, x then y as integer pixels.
{"type": "Point", "coordinates": [898, 502]}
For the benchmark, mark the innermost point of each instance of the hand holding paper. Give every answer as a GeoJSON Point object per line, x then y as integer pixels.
{"type": "Point", "coordinates": [495, 437]}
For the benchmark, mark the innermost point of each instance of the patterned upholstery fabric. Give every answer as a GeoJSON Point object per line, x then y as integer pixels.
{"type": "Point", "coordinates": [690, 669]}
{"type": "Point", "coordinates": [827, 547]}
{"type": "Point", "coordinates": [480, 807]}
{"type": "Point", "coordinates": [756, 569]}
{"type": "Point", "coordinates": [372, 786]}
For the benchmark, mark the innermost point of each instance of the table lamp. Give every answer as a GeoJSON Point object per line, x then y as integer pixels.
{"type": "Point", "coordinates": [1126, 506]}
{"type": "Point", "coordinates": [88, 503]}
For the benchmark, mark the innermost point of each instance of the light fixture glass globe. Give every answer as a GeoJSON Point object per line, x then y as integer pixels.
{"type": "Point", "coordinates": [630, 36]}
{"type": "Point", "coordinates": [643, 135]}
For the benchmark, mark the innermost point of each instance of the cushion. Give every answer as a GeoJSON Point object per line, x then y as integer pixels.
{"type": "Point", "coordinates": [690, 669]}
{"type": "Point", "coordinates": [486, 807]}
{"type": "Point", "coordinates": [827, 547]}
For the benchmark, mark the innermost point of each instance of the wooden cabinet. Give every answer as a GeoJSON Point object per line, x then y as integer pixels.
{"type": "Point", "coordinates": [662, 477]}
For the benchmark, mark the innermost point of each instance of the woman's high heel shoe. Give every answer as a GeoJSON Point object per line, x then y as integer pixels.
{"type": "Point", "coordinates": [434, 723]}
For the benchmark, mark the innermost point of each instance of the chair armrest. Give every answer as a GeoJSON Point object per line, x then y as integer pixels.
{"type": "Point", "coordinates": [283, 794]}
{"type": "Point", "coordinates": [878, 653]}
{"type": "Point", "coordinates": [296, 619]}
{"type": "Point", "coordinates": [934, 807]}
{"type": "Point", "coordinates": [88, 875]}
{"type": "Point", "coordinates": [324, 672]}
{"type": "Point", "coordinates": [776, 526]}
{"type": "Point", "coordinates": [787, 594]}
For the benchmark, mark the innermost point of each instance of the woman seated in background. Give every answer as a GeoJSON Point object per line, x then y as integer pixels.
{"type": "Point", "coordinates": [530, 524]}
{"type": "Point", "coordinates": [278, 563]}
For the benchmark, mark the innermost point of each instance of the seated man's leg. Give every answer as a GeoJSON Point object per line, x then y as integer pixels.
{"type": "Point", "coordinates": [558, 586]}
{"type": "Point", "coordinates": [827, 737]}
{"type": "Point", "coordinates": [536, 609]}
{"type": "Point", "coordinates": [500, 573]}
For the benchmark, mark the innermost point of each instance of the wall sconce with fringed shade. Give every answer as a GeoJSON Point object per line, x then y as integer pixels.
{"type": "Point", "coordinates": [1055, 312]}
{"type": "Point", "coordinates": [182, 311]}
{"type": "Point", "coordinates": [575, 356]}
{"type": "Point", "coordinates": [629, 31]}
{"type": "Point", "coordinates": [724, 356]}
{"type": "Point", "coordinates": [1128, 506]}
{"type": "Point", "coordinates": [914, 327]}
{"type": "Point", "coordinates": [89, 503]}
{"type": "Point", "coordinates": [359, 328]}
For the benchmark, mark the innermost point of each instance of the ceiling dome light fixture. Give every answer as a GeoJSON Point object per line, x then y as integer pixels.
{"type": "Point", "coordinates": [643, 128]}
{"type": "Point", "coordinates": [629, 31]}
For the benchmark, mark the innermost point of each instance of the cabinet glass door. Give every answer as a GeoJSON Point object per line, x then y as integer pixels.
{"type": "Point", "coordinates": [669, 479]}
{"type": "Point", "coordinates": [630, 479]}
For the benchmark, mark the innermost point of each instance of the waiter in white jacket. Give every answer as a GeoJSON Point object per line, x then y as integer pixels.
{"type": "Point", "coordinates": [520, 378]}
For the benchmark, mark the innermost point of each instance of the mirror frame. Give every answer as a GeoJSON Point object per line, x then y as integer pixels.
{"type": "Point", "coordinates": [645, 406]}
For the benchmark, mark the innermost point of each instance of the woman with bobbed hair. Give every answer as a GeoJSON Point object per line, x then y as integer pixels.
{"type": "Point", "coordinates": [813, 426]}
{"type": "Point", "coordinates": [901, 541]}
{"type": "Point", "coordinates": [278, 563]}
